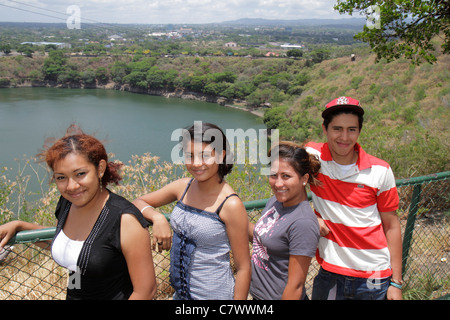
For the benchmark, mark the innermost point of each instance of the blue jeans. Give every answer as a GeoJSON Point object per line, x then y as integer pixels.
{"type": "Point", "coordinates": [332, 286]}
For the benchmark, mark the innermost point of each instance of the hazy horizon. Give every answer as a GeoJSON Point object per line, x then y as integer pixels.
{"type": "Point", "coordinates": [165, 11]}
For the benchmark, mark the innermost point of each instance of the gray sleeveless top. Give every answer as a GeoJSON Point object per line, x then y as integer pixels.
{"type": "Point", "coordinates": [200, 255]}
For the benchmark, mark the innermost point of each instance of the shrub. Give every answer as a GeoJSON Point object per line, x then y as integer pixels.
{"type": "Point", "coordinates": [101, 74]}
{"type": "Point", "coordinates": [5, 82]}
{"type": "Point", "coordinates": [356, 81]}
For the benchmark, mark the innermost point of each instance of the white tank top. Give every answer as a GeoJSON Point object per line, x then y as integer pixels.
{"type": "Point", "coordinates": [65, 251]}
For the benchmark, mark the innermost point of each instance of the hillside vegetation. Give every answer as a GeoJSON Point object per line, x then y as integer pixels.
{"type": "Point", "coordinates": [407, 106]}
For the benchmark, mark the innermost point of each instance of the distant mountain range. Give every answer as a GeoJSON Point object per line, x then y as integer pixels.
{"type": "Point", "coordinates": [301, 22]}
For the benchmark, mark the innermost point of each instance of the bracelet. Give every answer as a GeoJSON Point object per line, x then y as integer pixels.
{"type": "Point", "coordinates": [142, 210]}
{"type": "Point", "coordinates": [397, 285]}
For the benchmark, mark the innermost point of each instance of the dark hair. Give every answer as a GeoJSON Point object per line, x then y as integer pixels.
{"type": "Point", "coordinates": [77, 142]}
{"type": "Point", "coordinates": [298, 158]}
{"type": "Point", "coordinates": [329, 117]}
{"type": "Point", "coordinates": [206, 133]}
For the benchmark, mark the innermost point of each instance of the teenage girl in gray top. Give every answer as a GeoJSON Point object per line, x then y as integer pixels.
{"type": "Point", "coordinates": [285, 238]}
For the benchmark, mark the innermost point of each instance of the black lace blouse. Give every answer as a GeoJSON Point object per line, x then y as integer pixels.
{"type": "Point", "coordinates": [102, 272]}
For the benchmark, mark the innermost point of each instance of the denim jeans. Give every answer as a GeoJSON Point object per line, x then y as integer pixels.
{"type": "Point", "coordinates": [332, 286]}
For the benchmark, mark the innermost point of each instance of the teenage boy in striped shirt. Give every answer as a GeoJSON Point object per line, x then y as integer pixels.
{"type": "Point", "coordinates": [360, 251]}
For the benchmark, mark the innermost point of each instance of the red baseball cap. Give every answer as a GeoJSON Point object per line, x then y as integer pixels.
{"type": "Point", "coordinates": [343, 103]}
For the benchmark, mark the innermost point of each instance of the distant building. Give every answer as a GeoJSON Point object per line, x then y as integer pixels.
{"type": "Point", "coordinates": [59, 45]}
{"type": "Point", "coordinates": [230, 45]}
{"type": "Point", "coordinates": [292, 46]}
{"type": "Point", "coordinates": [272, 54]}
{"type": "Point", "coordinates": [115, 37]}
{"type": "Point", "coordinates": [185, 31]}
{"type": "Point", "coordinates": [158, 34]}
{"type": "Point", "coordinates": [173, 34]}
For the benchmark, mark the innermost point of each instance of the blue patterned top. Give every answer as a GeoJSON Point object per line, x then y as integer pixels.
{"type": "Point", "coordinates": [200, 256]}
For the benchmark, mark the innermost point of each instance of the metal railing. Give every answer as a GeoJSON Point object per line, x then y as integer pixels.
{"type": "Point", "coordinates": [28, 272]}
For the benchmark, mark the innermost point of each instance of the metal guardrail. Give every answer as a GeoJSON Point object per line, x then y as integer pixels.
{"type": "Point", "coordinates": [33, 236]}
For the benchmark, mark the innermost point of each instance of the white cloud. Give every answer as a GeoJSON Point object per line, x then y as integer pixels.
{"type": "Point", "coordinates": [167, 11]}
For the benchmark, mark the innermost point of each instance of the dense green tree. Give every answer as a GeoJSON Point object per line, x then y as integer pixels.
{"type": "Point", "coordinates": [302, 79]}
{"type": "Point", "coordinates": [26, 49]}
{"type": "Point", "coordinates": [54, 65]}
{"type": "Point", "coordinates": [243, 88]}
{"type": "Point", "coordinates": [275, 118]}
{"type": "Point", "coordinates": [317, 56]}
{"type": "Point", "coordinates": [50, 47]}
{"type": "Point", "coordinates": [5, 48]}
{"type": "Point", "coordinates": [36, 75]}
{"type": "Point", "coordinates": [161, 79]}
{"type": "Point", "coordinates": [195, 83]}
{"type": "Point", "coordinates": [118, 71]}
{"type": "Point", "coordinates": [101, 74]}
{"type": "Point", "coordinates": [260, 96]}
{"type": "Point", "coordinates": [88, 77]}
{"type": "Point", "coordinates": [156, 78]}
{"type": "Point", "coordinates": [296, 53]}
{"type": "Point", "coordinates": [402, 28]}
{"type": "Point", "coordinates": [69, 76]}
{"type": "Point", "coordinates": [136, 79]}
{"type": "Point", "coordinates": [143, 65]}
{"type": "Point", "coordinates": [227, 76]}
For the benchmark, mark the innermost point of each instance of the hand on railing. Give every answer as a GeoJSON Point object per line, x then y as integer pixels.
{"type": "Point", "coordinates": [7, 232]}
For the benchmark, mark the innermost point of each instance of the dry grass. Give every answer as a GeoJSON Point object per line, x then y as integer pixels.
{"type": "Point", "coordinates": [30, 273]}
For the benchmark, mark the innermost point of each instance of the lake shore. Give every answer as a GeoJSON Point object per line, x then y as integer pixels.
{"type": "Point", "coordinates": [180, 94]}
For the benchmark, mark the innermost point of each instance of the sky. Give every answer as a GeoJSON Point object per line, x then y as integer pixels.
{"type": "Point", "coordinates": [164, 11]}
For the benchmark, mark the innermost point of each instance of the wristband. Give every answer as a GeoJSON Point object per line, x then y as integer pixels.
{"type": "Point", "coordinates": [142, 210]}
{"type": "Point", "coordinates": [397, 285]}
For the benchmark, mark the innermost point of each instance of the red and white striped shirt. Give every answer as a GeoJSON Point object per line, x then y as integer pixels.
{"type": "Point", "coordinates": [350, 205]}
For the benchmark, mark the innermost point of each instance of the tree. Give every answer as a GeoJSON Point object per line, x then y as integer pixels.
{"type": "Point", "coordinates": [296, 53]}
{"type": "Point", "coordinates": [317, 56]}
{"type": "Point", "coordinates": [54, 65]}
{"type": "Point", "coordinates": [101, 74]}
{"type": "Point", "coordinates": [26, 49]}
{"type": "Point", "coordinates": [136, 79]}
{"type": "Point", "coordinates": [5, 48]}
{"type": "Point", "coordinates": [402, 27]}
{"type": "Point", "coordinates": [88, 77]}
{"type": "Point", "coordinates": [276, 117]}
{"type": "Point", "coordinates": [36, 75]}
{"type": "Point", "coordinates": [69, 76]}
{"type": "Point", "coordinates": [119, 70]}
{"type": "Point", "coordinates": [156, 78]}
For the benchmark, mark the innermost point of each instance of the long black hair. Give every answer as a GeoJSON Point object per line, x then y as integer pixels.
{"type": "Point", "coordinates": [208, 133]}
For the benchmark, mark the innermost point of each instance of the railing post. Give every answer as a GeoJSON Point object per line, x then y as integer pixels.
{"type": "Point", "coordinates": [410, 222]}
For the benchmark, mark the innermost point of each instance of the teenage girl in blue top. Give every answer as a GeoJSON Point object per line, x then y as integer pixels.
{"type": "Point", "coordinates": [208, 221]}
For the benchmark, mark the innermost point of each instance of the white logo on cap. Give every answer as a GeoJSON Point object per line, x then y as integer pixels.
{"type": "Point", "coordinates": [342, 100]}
